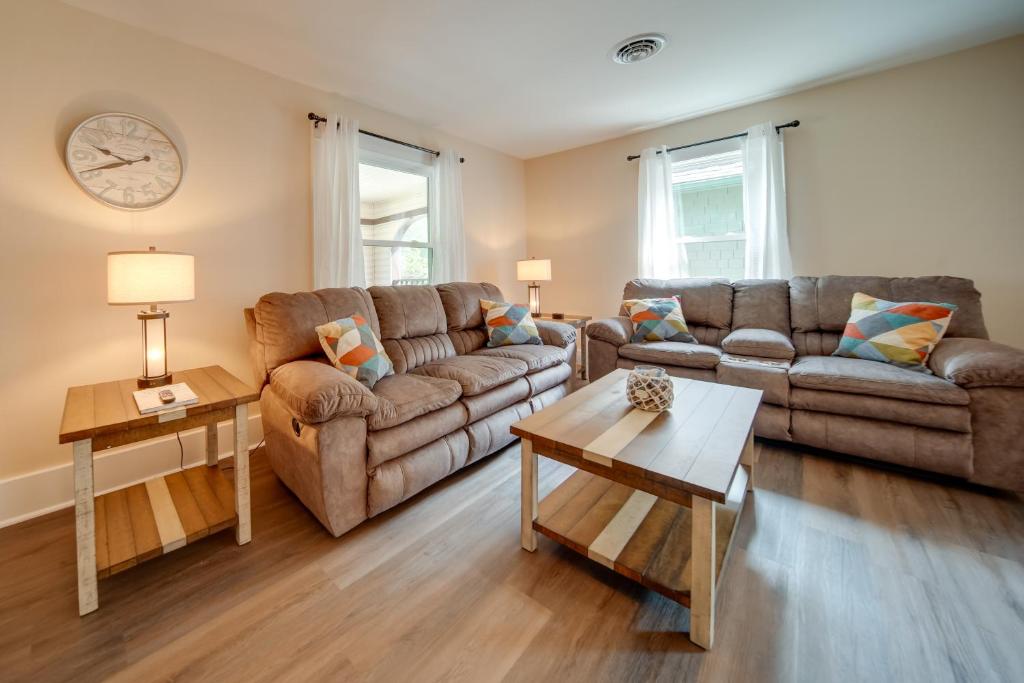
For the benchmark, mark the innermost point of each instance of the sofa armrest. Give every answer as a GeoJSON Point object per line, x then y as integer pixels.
{"type": "Point", "coordinates": [555, 333]}
{"type": "Point", "coordinates": [972, 363]}
{"type": "Point", "coordinates": [758, 342]}
{"type": "Point", "coordinates": [318, 392]}
{"type": "Point", "coordinates": [616, 331]}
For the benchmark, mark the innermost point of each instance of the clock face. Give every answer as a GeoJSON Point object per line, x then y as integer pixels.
{"type": "Point", "coordinates": [124, 161]}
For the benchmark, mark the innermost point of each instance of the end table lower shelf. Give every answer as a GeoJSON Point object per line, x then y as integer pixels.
{"type": "Point", "coordinates": [150, 519]}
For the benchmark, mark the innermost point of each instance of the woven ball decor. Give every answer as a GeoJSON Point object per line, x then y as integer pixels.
{"type": "Point", "coordinates": [649, 388]}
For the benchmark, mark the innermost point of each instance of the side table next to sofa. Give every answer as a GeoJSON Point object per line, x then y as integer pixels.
{"type": "Point", "coordinates": [119, 529]}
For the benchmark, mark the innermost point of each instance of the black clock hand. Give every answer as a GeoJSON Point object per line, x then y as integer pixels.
{"type": "Point", "coordinates": [117, 156]}
{"type": "Point", "coordinates": [116, 164]}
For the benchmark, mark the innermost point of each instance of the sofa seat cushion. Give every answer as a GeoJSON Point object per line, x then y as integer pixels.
{"type": "Point", "coordinates": [758, 342]}
{"type": "Point", "coordinates": [498, 398]}
{"type": "Point", "coordinates": [856, 376]}
{"type": "Point", "coordinates": [388, 444]}
{"type": "Point", "coordinates": [682, 354]}
{"type": "Point", "coordinates": [550, 377]}
{"type": "Point", "coordinates": [475, 373]}
{"type": "Point", "coordinates": [930, 415]}
{"type": "Point", "coordinates": [400, 398]}
{"type": "Point", "coordinates": [536, 357]}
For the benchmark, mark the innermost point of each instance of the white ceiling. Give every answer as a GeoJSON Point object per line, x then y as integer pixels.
{"type": "Point", "coordinates": [534, 76]}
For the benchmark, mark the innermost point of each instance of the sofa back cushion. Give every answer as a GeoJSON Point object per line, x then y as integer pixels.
{"type": "Point", "coordinates": [761, 304]}
{"type": "Point", "coordinates": [412, 325]}
{"type": "Point", "coordinates": [461, 301]}
{"type": "Point", "coordinates": [707, 303]}
{"type": "Point", "coordinates": [285, 324]}
{"type": "Point", "coordinates": [820, 306]}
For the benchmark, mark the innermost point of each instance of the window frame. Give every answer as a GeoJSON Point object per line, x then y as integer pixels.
{"type": "Point", "coordinates": [691, 154]}
{"type": "Point", "coordinates": [392, 157]}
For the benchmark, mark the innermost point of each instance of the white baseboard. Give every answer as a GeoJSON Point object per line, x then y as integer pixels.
{"type": "Point", "coordinates": [37, 493]}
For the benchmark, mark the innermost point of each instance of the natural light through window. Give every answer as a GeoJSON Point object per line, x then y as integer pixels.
{"type": "Point", "coordinates": [394, 216]}
{"type": "Point", "coordinates": [708, 194]}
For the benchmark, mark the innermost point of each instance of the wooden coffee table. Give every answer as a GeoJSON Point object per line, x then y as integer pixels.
{"type": "Point", "coordinates": [658, 496]}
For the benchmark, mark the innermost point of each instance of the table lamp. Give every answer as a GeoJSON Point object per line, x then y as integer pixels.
{"type": "Point", "coordinates": [151, 278]}
{"type": "Point", "coordinates": [531, 271]}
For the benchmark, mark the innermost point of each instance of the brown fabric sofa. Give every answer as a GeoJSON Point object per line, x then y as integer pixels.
{"type": "Point", "coordinates": [349, 452]}
{"type": "Point", "coordinates": [965, 420]}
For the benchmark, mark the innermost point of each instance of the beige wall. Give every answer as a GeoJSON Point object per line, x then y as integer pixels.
{"type": "Point", "coordinates": [243, 208]}
{"type": "Point", "coordinates": [917, 170]}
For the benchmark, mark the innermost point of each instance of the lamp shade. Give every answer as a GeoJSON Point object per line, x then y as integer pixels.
{"type": "Point", "coordinates": [533, 269]}
{"type": "Point", "coordinates": [150, 277]}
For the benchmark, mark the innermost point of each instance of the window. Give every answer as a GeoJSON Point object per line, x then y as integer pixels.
{"type": "Point", "coordinates": [708, 194]}
{"type": "Point", "coordinates": [394, 215]}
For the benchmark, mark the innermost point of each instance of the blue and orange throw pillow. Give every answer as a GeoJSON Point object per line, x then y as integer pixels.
{"type": "Point", "coordinates": [353, 348]}
{"type": "Point", "coordinates": [657, 320]}
{"type": "Point", "coordinates": [508, 324]}
{"type": "Point", "coordinates": [902, 334]}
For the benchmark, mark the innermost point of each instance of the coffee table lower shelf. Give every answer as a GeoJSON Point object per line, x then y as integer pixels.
{"type": "Point", "coordinates": [636, 534]}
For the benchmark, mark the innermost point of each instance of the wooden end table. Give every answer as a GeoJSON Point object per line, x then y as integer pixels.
{"type": "Point", "coordinates": [122, 528]}
{"type": "Point", "coordinates": [580, 323]}
{"type": "Point", "coordinates": [657, 496]}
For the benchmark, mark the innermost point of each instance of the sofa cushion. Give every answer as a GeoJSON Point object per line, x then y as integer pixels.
{"type": "Point", "coordinates": [536, 357]}
{"type": "Point", "coordinates": [286, 323]}
{"type": "Point", "coordinates": [856, 376]}
{"type": "Point", "coordinates": [771, 377]}
{"type": "Point", "coordinates": [705, 301]}
{"type": "Point", "coordinates": [475, 373]}
{"type": "Point", "coordinates": [822, 304]}
{"type": "Point", "coordinates": [408, 311]}
{"type": "Point", "coordinates": [461, 302]}
{"type": "Point", "coordinates": [316, 391]}
{"type": "Point", "coordinates": [759, 342]}
{"type": "Point", "coordinates": [400, 398]}
{"type": "Point", "coordinates": [498, 398]}
{"type": "Point", "coordinates": [673, 353]}
{"type": "Point", "coordinates": [551, 377]}
{"type": "Point", "coordinates": [387, 444]}
{"type": "Point", "coordinates": [930, 415]}
{"type": "Point", "coordinates": [761, 304]}
{"type": "Point", "coordinates": [899, 333]}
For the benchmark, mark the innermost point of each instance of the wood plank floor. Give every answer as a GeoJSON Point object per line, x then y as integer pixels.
{"type": "Point", "coordinates": [841, 572]}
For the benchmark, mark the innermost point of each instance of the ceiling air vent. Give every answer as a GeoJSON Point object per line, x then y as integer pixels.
{"type": "Point", "coordinates": [638, 48]}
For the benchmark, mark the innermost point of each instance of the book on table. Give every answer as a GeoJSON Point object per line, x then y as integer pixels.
{"type": "Point", "coordinates": [148, 400]}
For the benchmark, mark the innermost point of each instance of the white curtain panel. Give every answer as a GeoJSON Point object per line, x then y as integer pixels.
{"type": "Point", "coordinates": [659, 256]}
{"type": "Point", "coordinates": [449, 238]}
{"type": "Point", "coordinates": [337, 236]}
{"type": "Point", "coordinates": [764, 204]}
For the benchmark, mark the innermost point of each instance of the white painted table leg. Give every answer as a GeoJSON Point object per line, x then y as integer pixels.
{"type": "Point", "coordinates": [243, 532]}
{"type": "Point", "coordinates": [85, 528]}
{"type": "Point", "coordinates": [702, 582]}
{"type": "Point", "coordinates": [529, 498]}
{"type": "Point", "coordinates": [211, 444]}
{"type": "Point", "coordinates": [747, 459]}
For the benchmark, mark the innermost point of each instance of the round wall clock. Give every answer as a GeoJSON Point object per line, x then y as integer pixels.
{"type": "Point", "coordinates": [124, 161]}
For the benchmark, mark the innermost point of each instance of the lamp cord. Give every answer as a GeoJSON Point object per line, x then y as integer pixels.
{"type": "Point", "coordinates": [181, 449]}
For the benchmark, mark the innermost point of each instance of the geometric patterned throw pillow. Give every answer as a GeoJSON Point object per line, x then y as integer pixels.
{"type": "Point", "coordinates": [901, 334]}
{"type": "Point", "coordinates": [508, 324]}
{"type": "Point", "coordinates": [353, 348]}
{"type": "Point", "coordinates": [658, 320]}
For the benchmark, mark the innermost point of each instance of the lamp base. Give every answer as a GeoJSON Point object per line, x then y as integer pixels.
{"type": "Point", "coordinates": [534, 297]}
{"type": "Point", "coordinates": [158, 381]}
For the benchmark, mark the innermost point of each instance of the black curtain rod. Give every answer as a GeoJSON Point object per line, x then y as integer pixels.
{"type": "Point", "coordinates": [792, 124]}
{"type": "Point", "coordinates": [317, 120]}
